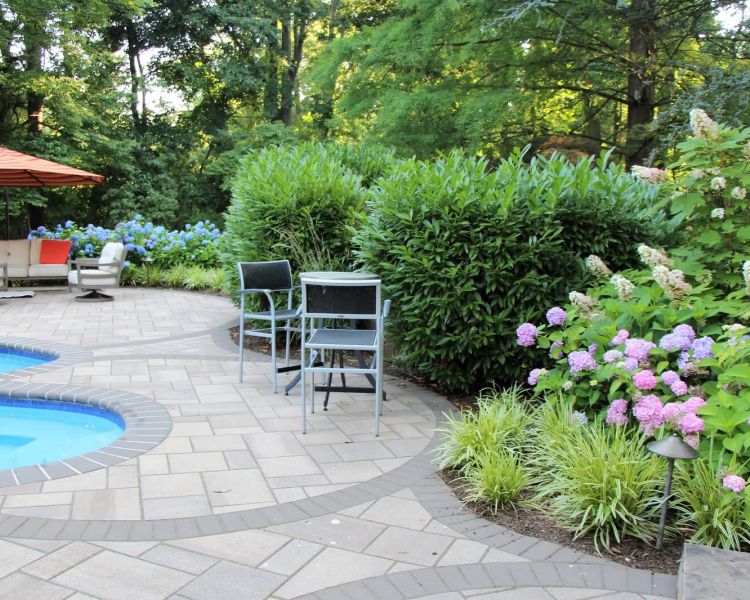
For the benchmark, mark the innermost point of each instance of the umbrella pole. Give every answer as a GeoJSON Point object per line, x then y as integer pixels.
{"type": "Point", "coordinates": [7, 214]}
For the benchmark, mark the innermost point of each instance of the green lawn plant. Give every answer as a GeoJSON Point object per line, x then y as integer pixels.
{"type": "Point", "coordinates": [500, 420]}
{"type": "Point", "coordinates": [602, 483]}
{"type": "Point", "coordinates": [497, 481]}
{"type": "Point", "coordinates": [707, 511]}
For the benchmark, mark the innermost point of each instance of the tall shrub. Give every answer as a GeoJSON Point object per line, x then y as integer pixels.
{"type": "Point", "coordinates": [294, 202]}
{"type": "Point", "coordinates": [463, 252]}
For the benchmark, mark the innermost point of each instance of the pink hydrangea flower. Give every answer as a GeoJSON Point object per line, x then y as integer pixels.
{"type": "Point", "coordinates": [629, 364]}
{"type": "Point", "coordinates": [679, 388]}
{"type": "Point", "coordinates": [693, 404]}
{"type": "Point", "coordinates": [649, 411]}
{"type": "Point", "coordinates": [638, 349]}
{"type": "Point", "coordinates": [645, 380]}
{"type": "Point", "coordinates": [581, 360]}
{"type": "Point", "coordinates": [669, 377]}
{"type": "Point", "coordinates": [692, 440]}
{"type": "Point", "coordinates": [535, 375]}
{"type": "Point", "coordinates": [620, 338]}
{"type": "Point", "coordinates": [617, 413]}
{"type": "Point", "coordinates": [611, 356]}
{"type": "Point", "coordinates": [685, 331]}
{"type": "Point", "coordinates": [556, 316]}
{"type": "Point", "coordinates": [673, 412]}
{"type": "Point", "coordinates": [734, 483]}
{"type": "Point", "coordinates": [526, 334]}
{"type": "Point", "coordinates": [672, 342]}
{"type": "Point", "coordinates": [691, 423]}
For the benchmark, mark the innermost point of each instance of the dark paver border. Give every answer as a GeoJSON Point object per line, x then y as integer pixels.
{"type": "Point", "coordinates": [146, 421]}
{"type": "Point", "coordinates": [64, 355]}
{"type": "Point", "coordinates": [406, 475]}
{"type": "Point", "coordinates": [423, 583]}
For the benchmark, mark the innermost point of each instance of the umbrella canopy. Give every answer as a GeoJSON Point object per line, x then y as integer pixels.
{"type": "Point", "coordinates": [22, 170]}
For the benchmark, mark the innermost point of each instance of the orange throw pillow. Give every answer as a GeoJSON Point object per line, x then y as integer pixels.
{"type": "Point", "coordinates": [54, 252]}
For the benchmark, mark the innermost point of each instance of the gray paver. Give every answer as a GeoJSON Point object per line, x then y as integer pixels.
{"type": "Point", "coordinates": [232, 582]}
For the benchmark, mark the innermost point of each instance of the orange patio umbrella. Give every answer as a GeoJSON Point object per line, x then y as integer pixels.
{"type": "Point", "coordinates": [22, 170]}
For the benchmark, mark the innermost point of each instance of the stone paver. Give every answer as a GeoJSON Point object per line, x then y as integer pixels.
{"type": "Point", "coordinates": [215, 492]}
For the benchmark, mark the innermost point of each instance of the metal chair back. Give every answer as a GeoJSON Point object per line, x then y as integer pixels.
{"type": "Point", "coordinates": [270, 275]}
{"type": "Point", "coordinates": [338, 299]}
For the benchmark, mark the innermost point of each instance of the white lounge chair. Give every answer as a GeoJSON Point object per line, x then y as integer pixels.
{"type": "Point", "coordinates": [94, 274]}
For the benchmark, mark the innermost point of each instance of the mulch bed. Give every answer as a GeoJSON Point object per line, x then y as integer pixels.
{"type": "Point", "coordinates": [535, 523]}
{"type": "Point", "coordinates": [523, 520]}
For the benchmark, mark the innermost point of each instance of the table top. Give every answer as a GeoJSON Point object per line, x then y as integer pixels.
{"type": "Point", "coordinates": [342, 275]}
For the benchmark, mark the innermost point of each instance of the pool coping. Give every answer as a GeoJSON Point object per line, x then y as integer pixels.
{"type": "Point", "coordinates": [64, 355]}
{"type": "Point", "coordinates": [147, 424]}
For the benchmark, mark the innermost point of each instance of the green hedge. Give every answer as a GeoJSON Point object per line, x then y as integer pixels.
{"type": "Point", "coordinates": [295, 202]}
{"type": "Point", "coordinates": [467, 254]}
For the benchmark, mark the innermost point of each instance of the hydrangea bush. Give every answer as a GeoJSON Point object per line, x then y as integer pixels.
{"type": "Point", "coordinates": [666, 349]}
{"type": "Point", "coordinates": [197, 245]}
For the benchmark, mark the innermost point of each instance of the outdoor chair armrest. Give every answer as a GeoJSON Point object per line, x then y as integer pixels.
{"type": "Point", "coordinates": [386, 308]}
{"type": "Point", "coordinates": [85, 262]}
{"type": "Point", "coordinates": [112, 264]}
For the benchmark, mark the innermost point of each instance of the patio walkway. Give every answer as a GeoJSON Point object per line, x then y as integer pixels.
{"type": "Point", "coordinates": [235, 502]}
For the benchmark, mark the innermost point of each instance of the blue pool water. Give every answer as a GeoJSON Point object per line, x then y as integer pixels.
{"type": "Point", "coordinates": [11, 360]}
{"type": "Point", "coordinates": [41, 431]}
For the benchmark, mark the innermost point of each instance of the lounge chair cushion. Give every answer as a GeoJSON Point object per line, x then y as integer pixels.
{"type": "Point", "coordinates": [18, 271]}
{"type": "Point", "coordinates": [60, 271]}
{"type": "Point", "coordinates": [93, 277]}
{"type": "Point", "coordinates": [16, 254]}
{"type": "Point", "coordinates": [111, 253]}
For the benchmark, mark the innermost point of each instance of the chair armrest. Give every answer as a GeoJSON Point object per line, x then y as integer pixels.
{"type": "Point", "coordinates": [386, 308]}
{"type": "Point", "coordinates": [85, 262]}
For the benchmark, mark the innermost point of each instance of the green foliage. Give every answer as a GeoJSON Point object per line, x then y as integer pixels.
{"type": "Point", "coordinates": [498, 423]}
{"type": "Point", "coordinates": [487, 76]}
{"type": "Point", "coordinates": [175, 276]}
{"type": "Point", "coordinates": [296, 202]}
{"type": "Point", "coordinates": [179, 276]}
{"type": "Point", "coordinates": [604, 483]}
{"type": "Point", "coordinates": [710, 195]}
{"type": "Point", "coordinates": [712, 514]}
{"type": "Point", "coordinates": [699, 286]}
{"type": "Point", "coordinates": [464, 251]}
{"type": "Point", "coordinates": [497, 481]}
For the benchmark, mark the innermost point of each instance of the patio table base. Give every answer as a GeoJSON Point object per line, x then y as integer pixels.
{"type": "Point", "coordinates": [95, 296]}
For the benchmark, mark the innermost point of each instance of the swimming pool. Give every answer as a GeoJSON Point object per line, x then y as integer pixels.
{"type": "Point", "coordinates": [12, 359]}
{"type": "Point", "coordinates": [41, 431]}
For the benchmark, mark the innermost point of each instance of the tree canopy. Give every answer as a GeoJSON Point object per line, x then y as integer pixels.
{"type": "Point", "coordinates": [164, 97]}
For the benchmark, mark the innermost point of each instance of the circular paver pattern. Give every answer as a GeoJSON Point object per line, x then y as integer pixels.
{"type": "Point", "coordinates": [146, 425]}
{"type": "Point", "coordinates": [236, 502]}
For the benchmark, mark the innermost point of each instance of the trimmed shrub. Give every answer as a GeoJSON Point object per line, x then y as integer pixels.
{"type": "Point", "coordinates": [464, 253]}
{"type": "Point", "coordinates": [293, 202]}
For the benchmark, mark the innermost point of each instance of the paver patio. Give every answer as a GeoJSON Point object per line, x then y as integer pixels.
{"type": "Point", "coordinates": [235, 502]}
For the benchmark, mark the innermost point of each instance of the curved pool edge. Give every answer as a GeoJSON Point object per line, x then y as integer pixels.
{"type": "Point", "coordinates": [147, 424]}
{"type": "Point", "coordinates": [63, 355]}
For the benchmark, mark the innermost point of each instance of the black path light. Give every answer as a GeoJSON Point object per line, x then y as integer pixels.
{"type": "Point", "coordinates": [671, 447]}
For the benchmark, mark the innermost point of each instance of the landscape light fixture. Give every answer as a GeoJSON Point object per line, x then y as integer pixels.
{"type": "Point", "coordinates": [671, 447]}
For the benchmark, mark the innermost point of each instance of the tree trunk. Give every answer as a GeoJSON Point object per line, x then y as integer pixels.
{"type": "Point", "coordinates": [641, 93]}
{"type": "Point", "coordinates": [132, 52]}
{"type": "Point", "coordinates": [332, 18]}
{"type": "Point", "coordinates": [287, 83]}
{"type": "Point", "coordinates": [34, 100]}
{"type": "Point", "coordinates": [271, 92]}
